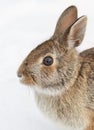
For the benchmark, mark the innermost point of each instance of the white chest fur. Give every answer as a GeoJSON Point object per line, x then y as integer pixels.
{"type": "Point", "coordinates": [65, 127]}
{"type": "Point", "coordinates": [51, 108]}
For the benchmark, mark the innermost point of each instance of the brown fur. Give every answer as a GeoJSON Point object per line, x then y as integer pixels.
{"type": "Point", "coordinates": [64, 91]}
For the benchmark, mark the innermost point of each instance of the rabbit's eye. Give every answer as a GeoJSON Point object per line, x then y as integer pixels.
{"type": "Point", "coordinates": [48, 61]}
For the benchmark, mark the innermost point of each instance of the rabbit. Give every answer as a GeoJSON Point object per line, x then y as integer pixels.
{"type": "Point", "coordinates": [63, 78]}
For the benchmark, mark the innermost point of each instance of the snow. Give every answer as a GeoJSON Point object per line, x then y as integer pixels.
{"type": "Point", "coordinates": [23, 25]}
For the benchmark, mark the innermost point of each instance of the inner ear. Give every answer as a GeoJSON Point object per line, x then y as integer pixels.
{"type": "Point", "coordinates": [67, 18]}
{"type": "Point", "coordinates": [76, 32]}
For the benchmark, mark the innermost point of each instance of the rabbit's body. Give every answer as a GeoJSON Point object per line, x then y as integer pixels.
{"type": "Point", "coordinates": [88, 65]}
{"type": "Point", "coordinates": [75, 106]}
{"type": "Point", "coordinates": [63, 79]}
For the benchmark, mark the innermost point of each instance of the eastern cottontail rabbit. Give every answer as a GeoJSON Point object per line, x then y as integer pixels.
{"type": "Point", "coordinates": [63, 79]}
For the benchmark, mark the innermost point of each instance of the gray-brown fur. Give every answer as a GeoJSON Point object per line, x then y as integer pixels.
{"type": "Point", "coordinates": [64, 91]}
{"type": "Point", "coordinates": [88, 61]}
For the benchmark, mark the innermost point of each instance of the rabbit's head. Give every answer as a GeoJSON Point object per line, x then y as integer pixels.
{"type": "Point", "coordinates": [53, 66]}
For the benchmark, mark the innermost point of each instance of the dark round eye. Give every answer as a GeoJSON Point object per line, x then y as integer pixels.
{"type": "Point", "coordinates": [48, 60]}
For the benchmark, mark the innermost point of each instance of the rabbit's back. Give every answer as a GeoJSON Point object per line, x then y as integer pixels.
{"type": "Point", "coordinates": [88, 54]}
{"type": "Point", "coordinates": [88, 64]}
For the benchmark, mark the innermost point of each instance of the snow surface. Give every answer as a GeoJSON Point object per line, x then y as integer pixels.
{"type": "Point", "coordinates": [23, 25]}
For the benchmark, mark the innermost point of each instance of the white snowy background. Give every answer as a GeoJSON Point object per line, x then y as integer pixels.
{"type": "Point", "coordinates": [23, 25]}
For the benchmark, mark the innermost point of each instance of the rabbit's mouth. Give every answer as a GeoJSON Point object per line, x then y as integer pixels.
{"type": "Point", "coordinates": [26, 77]}
{"type": "Point", "coordinates": [28, 80]}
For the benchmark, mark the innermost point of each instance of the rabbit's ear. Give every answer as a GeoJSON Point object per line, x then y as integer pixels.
{"type": "Point", "coordinates": [68, 17]}
{"type": "Point", "coordinates": [75, 34]}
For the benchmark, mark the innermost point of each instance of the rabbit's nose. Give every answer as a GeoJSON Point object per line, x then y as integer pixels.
{"type": "Point", "coordinates": [22, 69]}
{"type": "Point", "coordinates": [19, 74]}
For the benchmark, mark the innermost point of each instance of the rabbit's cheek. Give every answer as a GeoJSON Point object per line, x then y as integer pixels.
{"type": "Point", "coordinates": [48, 71]}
